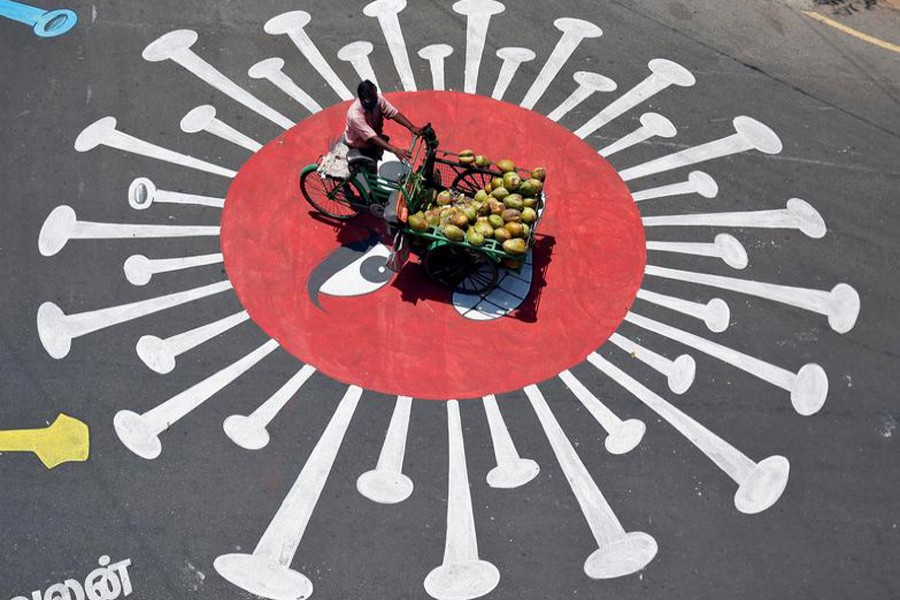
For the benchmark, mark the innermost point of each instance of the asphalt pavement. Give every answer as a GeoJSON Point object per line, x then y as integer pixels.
{"type": "Point", "coordinates": [831, 97]}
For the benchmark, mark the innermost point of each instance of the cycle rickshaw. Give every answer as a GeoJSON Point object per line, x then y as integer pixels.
{"type": "Point", "coordinates": [344, 183]}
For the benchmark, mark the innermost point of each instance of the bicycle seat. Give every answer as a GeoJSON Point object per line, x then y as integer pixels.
{"type": "Point", "coordinates": [358, 159]}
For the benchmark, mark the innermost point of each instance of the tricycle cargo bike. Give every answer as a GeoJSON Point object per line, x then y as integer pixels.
{"type": "Point", "coordinates": [462, 216]}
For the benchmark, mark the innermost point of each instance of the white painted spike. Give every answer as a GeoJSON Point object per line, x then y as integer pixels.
{"type": "Point", "coordinates": [249, 431]}
{"type": "Point", "coordinates": [512, 58]}
{"type": "Point", "coordinates": [386, 483]}
{"type": "Point", "coordinates": [435, 55]}
{"type": "Point", "coordinates": [573, 32]}
{"type": "Point", "coordinates": [715, 314]}
{"type": "Point", "coordinates": [176, 46]}
{"type": "Point", "coordinates": [478, 17]}
{"type": "Point", "coordinates": [512, 470]}
{"type": "Point", "coordinates": [760, 484]}
{"type": "Point", "coordinates": [808, 386]}
{"type": "Point", "coordinates": [139, 269]}
{"type": "Point", "coordinates": [797, 214]}
{"type": "Point", "coordinates": [160, 355]}
{"type": "Point", "coordinates": [840, 304]}
{"type": "Point", "coordinates": [652, 125]}
{"type": "Point", "coordinates": [618, 552]}
{"type": "Point", "coordinates": [697, 182]}
{"type": "Point", "coordinates": [462, 575]}
{"type": "Point", "coordinates": [293, 25]}
{"type": "Point", "coordinates": [267, 571]}
{"type": "Point", "coordinates": [725, 247]}
{"type": "Point", "coordinates": [588, 83]}
{"type": "Point", "coordinates": [143, 193]}
{"type": "Point", "coordinates": [271, 69]}
{"type": "Point", "coordinates": [103, 132]}
{"type": "Point", "coordinates": [56, 329]}
{"type": "Point", "coordinates": [387, 11]}
{"type": "Point", "coordinates": [663, 73]}
{"type": "Point", "coordinates": [622, 436]}
{"type": "Point", "coordinates": [679, 372]}
{"type": "Point", "coordinates": [357, 54]}
{"type": "Point", "coordinates": [140, 432]}
{"type": "Point", "coordinates": [62, 225]}
{"type": "Point", "coordinates": [203, 118]}
{"type": "Point", "coordinates": [749, 134]}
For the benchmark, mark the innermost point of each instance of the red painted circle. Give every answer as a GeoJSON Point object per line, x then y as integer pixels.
{"type": "Point", "coordinates": [407, 338]}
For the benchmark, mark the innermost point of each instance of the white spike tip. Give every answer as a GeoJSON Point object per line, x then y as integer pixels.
{"type": "Point", "coordinates": [384, 487]}
{"type": "Point", "coordinates": [263, 576]}
{"type": "Point", "coordinates": [759, 135]}
{"type": "Point", "coordinates": [137, 434]}
{"type": "Point", "coordinates": [625, 556]}
{"type": "Point", "coordinates": [513, 475]}
{"type": "Point", "coordinates": [625, 437]}
{"type": "Point", "coordinates": [763, 486]}
{"type": "Point", "coordinates": [462, 581]}
{"type": "Point", "coordinates": [246, 432]}
{"type": "Point", "coordinates": [169, 44]}
{"type": "Point", "coordinates": [285, 22]}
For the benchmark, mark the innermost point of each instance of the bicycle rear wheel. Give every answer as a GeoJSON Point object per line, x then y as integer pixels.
{"type": "Point", "coordinates": [336, 198]}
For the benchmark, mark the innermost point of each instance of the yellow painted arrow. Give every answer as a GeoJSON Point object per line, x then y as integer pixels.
{"type": "Point", "coordinates": [65, 440]}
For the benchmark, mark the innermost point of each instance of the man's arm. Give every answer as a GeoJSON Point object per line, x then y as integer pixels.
{"type": "Point", "coordinates": [402, 153]}
{"type": "Point", "coordinates": [400, 118]}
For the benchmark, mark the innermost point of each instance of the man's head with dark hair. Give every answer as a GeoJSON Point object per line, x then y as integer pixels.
{"type": "Point", "coordinates": [367, 92]}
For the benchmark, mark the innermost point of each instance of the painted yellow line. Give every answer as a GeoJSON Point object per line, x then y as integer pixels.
{"type": "Point", "coordinates": [849, 30]}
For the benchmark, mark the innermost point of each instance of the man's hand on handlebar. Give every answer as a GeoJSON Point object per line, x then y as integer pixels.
{"type": "Point", "coordinates": [402, 153]}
